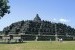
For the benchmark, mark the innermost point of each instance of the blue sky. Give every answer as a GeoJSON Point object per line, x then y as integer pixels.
{"type": "Point", "coordinates": [51, 10]}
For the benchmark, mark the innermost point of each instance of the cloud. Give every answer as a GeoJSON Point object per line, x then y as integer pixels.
{"type": "Point", "coordinates": [63, 20]}
{"type": "Point", "coordinates": [54, 19]}
{"type": "Point", "coordinates": [60, 20]}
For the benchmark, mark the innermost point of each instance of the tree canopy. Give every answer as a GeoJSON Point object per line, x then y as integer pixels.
{"type": "Point", "coordinates": [4, 8]}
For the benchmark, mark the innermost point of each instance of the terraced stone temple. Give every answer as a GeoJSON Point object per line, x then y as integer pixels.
{"type": "Point", "coordinates": [40, 29]}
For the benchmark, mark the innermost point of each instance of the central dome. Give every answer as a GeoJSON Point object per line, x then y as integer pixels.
{"type": "Point", "coordinates": [37, 18]}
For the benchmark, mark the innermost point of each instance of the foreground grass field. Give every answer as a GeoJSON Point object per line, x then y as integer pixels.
{"type": "Point", "coordinates": [40, 45]}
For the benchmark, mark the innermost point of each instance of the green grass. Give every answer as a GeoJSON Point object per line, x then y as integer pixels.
{"type": "Point", "coordinates": [40, 45]}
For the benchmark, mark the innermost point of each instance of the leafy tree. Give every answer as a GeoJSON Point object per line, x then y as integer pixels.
{"type": "Point", "coordinates": [4, 8]}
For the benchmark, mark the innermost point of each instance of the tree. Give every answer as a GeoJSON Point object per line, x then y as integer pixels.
{"type": "Point", "coordinates": [4, 8]}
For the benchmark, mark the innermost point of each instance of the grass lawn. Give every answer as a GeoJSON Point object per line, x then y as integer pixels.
{"type": "Point", "coordinates": [40, 45]}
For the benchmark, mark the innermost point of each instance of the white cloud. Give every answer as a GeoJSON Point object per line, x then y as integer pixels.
{"type": "Point", "coordinates": [54, 19]}
{"type": "Point", "coordinates": [63, 20]}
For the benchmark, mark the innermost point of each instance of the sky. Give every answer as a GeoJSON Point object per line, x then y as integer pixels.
{"type": "Point", "coordinates": [62, 11]}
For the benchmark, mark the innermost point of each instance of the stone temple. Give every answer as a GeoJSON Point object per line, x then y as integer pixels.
{"type": "Point", "coordinates": [40, 30]}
